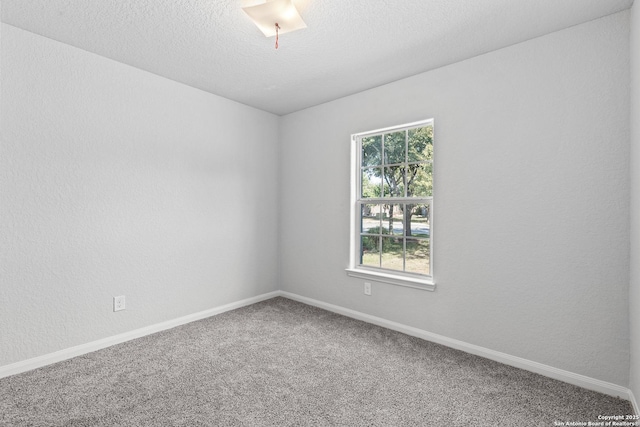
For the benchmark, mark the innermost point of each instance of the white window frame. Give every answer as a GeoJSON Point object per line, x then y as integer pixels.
{"type": "Point", "coordinates": [378, 274]}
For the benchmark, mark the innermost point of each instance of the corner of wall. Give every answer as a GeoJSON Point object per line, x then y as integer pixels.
{"type": "Point", "coordinates": [634, 285]}
{"type": "Point", "coordinates": [279, 204]}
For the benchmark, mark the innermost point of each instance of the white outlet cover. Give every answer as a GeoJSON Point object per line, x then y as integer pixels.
{"type": "Point", "coordinates": [118, 303]}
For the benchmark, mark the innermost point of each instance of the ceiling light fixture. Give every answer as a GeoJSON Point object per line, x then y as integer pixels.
{"type": "Point", "coordinates": [275, 17]}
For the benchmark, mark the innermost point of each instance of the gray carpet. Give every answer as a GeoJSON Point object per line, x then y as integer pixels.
{"type": "Point", "coordinates": [282, 363]}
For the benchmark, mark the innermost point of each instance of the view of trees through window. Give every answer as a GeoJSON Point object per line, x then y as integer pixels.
{"type": "Point", "coordinates": [395, 198]}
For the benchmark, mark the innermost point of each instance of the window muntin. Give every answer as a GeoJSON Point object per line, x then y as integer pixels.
{"type": "Point", "coordinates": [394, 200]}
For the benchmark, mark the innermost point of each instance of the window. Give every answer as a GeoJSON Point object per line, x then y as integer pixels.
{"type": "Point", "coordinates": [393, 204]}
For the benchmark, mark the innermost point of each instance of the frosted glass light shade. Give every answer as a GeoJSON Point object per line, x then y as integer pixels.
{"type": "Point", "coordinates": [283, 12]}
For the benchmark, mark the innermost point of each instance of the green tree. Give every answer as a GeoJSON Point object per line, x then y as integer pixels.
{"type": "Point", "coordinates": [402, 162]}
{"type": "Point", "coordinates": [370, 189]}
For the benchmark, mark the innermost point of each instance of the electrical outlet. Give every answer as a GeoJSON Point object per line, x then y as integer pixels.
{"type": "Point", "coordinates": [118, 303]}
{"type": "Point", "coordinates": [367, 288]}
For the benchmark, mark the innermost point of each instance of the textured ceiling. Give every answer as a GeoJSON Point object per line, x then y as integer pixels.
{"type": "Point", "coordinates": [349, 46]}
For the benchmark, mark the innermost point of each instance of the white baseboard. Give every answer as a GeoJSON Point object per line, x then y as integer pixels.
{"type": "Point", "coordinates": [518, 362]}
{"type": "Point", "coordinates": [68, 353]}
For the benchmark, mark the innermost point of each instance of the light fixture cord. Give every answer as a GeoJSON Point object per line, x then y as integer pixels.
{"type": "Point", "coordinates": [277, 35]}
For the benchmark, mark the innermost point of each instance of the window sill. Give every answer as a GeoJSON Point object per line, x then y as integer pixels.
{"type": "Point", "coordinates": [393, 279]}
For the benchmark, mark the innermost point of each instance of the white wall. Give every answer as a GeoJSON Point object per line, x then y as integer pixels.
{"type": "Point", "coordinates": [114, 181]}
{"type": "Point", "coordinates": [634, 294]}
{"type": "Point", "coordinates": [531, 199]}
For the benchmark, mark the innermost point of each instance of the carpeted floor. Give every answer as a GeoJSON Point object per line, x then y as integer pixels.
{"type": "Point", "coordinates": [283, 363]}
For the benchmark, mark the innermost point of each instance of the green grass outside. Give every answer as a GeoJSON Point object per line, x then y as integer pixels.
{"type": "Point", "coordinates": [417, 257]}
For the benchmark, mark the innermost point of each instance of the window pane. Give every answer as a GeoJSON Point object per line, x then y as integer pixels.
{"type": "Point", "coordinates": [371, 149]}
{"type": "Point", "coordinates": [392, 253]}
{"type": "Point", "coordinates": [420, 144]}
{"type": "Point", "coordinates": [370, 251]}
{"type": "Point", "coordinates": [417, 257]}
{"type": "Point", "coordinates": [371, 182]}
{"type": "Point", "coordinates": [420, 180]}
{"type": "Point", "coordinates": [394, 148]}
{"type": "Point", "coordinates": [394, 181]}
{"type": "Point", "coordinates": [371, 215]}
{"type": "Point", "coordinates": [394, 222]}
{"type": "Point", "coordinates": [394, 198]}
{"type": "Point", "coordinates": [418, 220]}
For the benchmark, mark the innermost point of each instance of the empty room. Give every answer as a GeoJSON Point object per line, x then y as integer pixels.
{"type": "Point", "coordinates": [319, 212]}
